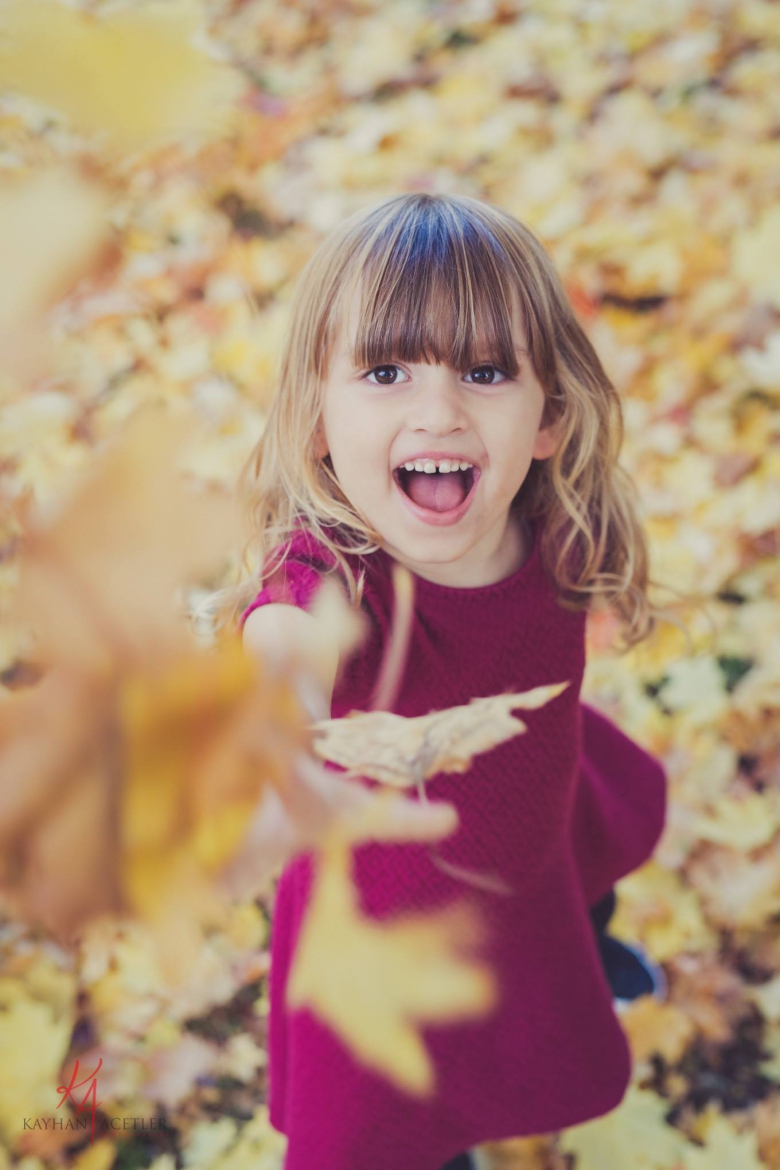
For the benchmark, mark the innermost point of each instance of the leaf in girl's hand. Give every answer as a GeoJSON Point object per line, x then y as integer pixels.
{"type": "Point", "coordinates": [98, 577]}
{"type": "Point", "coordinates": [53, 228]}
{"type": "Point", "coordinates": [134, 75]}
{"type": "Point", "coordinates": [377, 983]}
{"type": "Point", "coordinates": [387, 815]}
{"type": "Point", "coordinates": [400, 751]}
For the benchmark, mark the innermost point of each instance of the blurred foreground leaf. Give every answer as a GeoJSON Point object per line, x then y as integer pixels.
{"type": "Point", "coordinates": [378, 983]}
{"type": "Point", "coordinates": [134, 74]}
{"type": "Point", "coordinates": [53, 227]}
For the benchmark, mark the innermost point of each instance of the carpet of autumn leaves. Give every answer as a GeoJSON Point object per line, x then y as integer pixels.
{"type": "Point", "coordinates": [642, 142]}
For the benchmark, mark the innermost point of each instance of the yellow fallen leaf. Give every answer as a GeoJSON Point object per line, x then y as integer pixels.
{"type": "Point", "coordinates": [401, 752]}
{"type": "Point", "coordinates": [745, 822]}
{"type": "Point", "coordinates": [100, 1156]}
{"type": "Point", "coordinates": [754, 250]}
{"type": "Point", "coordinates": [770, 1065]}
{"type": "Point", "coordinates": [654, 1027]}
{"type": "Point", "coordinates": [657, 905]}
{"type": "Point", "coordinates": [133, 74]}
{"type": "Point", "coordinates": [375, 983]}
{"type": "Point", "coordinates": [767, 996]}
{"type": "Point", "coordinates": [711, 994]}
{"type": "Point", "coordinates": [635, 1136]}
{"type": "Point", "coordinates": [725, 1148]}
{"type": "Point", "coordinates": [34, 1041]}
{"type": "Point", "coordinates": [738, 890]}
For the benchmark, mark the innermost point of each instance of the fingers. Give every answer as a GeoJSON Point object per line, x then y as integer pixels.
{"type": "Point", "coordinates": [319, 804]}
{"type": "Point", "coordinates": [390, 816]}
{"type": "Point", "coordinates": [374, 814]}
{"type": "Point", "coordinates": [270, 840]}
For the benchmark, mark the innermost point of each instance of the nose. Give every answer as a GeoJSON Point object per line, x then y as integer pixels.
{"type": "Point", "coordinates": [437, 405]}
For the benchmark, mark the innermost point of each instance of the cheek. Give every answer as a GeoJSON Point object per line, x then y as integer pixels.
{"type": "Point", "coordinates": [356, 446]}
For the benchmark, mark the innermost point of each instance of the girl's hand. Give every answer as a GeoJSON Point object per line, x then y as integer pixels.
{"type": "Point", "coordinates": [316, 798]}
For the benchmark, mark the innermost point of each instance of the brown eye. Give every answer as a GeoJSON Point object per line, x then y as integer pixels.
{"type": "Point", "coordinates": [484, 375]}
{"type": "Point", "coordinates": [385, 375]}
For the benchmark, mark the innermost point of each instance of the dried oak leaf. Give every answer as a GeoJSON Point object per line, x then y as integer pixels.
{"type": "Point", "coordinates": [400, 751]}
{"type": "Point", "coordinates": [376, 984]}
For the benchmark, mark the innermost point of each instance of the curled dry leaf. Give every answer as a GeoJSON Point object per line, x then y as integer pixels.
{"type": "Point", "coordinates": [399, 751]}
{"type": "Point", "coordinates": [376, 983]}
{"type": "Point", "coordinates": [88, 68]}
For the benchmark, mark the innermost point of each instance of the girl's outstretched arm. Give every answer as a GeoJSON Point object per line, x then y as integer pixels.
{"type": "Point", "coordinates": [281, 634]}
{"type": "Point", "coordinates": [282, 828]}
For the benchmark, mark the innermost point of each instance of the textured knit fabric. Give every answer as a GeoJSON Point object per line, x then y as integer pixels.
{"type": "Point", "coordinates": [560, 813]}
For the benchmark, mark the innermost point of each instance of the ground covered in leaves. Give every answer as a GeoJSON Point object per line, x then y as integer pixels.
{"type": "Point", "coordinates": [642, 142]}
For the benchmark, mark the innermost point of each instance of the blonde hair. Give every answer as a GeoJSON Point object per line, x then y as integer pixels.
{"type": "Point", "coordinates": [440, 276]}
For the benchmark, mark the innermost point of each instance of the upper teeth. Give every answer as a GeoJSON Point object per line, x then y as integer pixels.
{"type": "Point", "coordinates": [430, 465]}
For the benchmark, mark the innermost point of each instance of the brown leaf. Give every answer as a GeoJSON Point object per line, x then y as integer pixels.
{"type": "Point", "coordinates": [400, 751]}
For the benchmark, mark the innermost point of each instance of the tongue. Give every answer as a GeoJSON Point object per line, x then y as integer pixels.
{"type": "Point", "coordinates": [439, 492]}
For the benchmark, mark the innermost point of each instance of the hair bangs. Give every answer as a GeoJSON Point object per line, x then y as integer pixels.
{"type": "Point", "coordinates": [438, 289]}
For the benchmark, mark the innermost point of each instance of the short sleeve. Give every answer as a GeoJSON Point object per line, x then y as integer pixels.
{"type": "Point", "coordinates": [303, 564]}
{"type": "Point", "coordinates": [295, 583]}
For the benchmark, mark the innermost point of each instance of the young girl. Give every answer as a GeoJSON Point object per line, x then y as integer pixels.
{"type": "Point", "coordinates": [440, 406]}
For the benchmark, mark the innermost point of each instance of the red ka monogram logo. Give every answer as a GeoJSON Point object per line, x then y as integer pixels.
{"type": "Point", "coordinates": [90, 1092]}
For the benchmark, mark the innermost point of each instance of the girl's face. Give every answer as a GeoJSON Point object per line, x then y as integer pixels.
{"type": "Point", "coordinates": [447, 526]}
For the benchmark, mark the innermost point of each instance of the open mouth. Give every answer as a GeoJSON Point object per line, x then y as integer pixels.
{"type": "Point", "coordinates": [437, 491]}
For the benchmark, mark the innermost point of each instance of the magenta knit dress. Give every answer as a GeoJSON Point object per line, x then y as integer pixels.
{"type": "Point", "coordinates": [560, 812]}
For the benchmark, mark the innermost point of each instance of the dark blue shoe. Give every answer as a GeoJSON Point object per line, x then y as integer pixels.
{"type": "Point", "coordinates": [462, 1162]}
{"type": "Point", "coordinates": [630, 971]}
